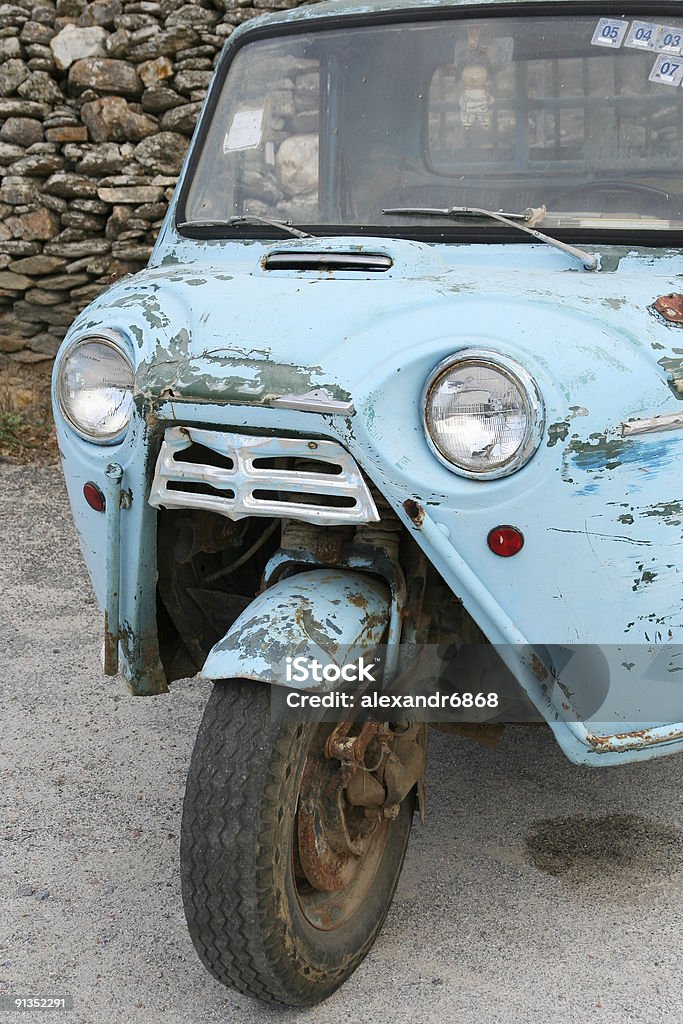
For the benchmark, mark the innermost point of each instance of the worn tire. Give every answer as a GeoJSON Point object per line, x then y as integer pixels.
{"type": "Point", "coordinates": [237, 862]}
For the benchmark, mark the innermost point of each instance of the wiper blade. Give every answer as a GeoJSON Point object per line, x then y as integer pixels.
{"type": "Point", "coordinates": [462, 212]}
{"type": "Point", "coordinates": [247, 218]}
{"type": "Point", "coordinates": [522, 221]}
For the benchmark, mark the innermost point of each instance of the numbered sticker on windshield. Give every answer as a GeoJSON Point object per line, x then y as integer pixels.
{"type": "Point", "coordinates": [643, 35]}
{"type": "Point", "coordinates": [610, 32]}
{"type": "Point", "coordinates": [669, 39]}
{"type": "Point", "coordinates": [667, 71]}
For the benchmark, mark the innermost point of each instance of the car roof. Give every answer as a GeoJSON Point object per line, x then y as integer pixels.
{"type": "Point", "coordinates": [342, 8]}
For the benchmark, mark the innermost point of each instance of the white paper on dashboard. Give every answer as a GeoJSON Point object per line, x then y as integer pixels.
{"type": "Point", "coordinates": [245, 130]}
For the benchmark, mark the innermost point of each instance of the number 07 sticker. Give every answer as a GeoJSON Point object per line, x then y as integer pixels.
{"type": "Point", "coordinates": [610, 32]}
{"type": "Point", "coordinates": [667, 71]}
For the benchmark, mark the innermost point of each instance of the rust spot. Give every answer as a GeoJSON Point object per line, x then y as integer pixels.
{"type": "Point", "coordinates": [359, 600]}
{"type": "Point", "coordinates": [111, 648]}
{"type": "Point", "coordinates": [374, 621]}
{"type": "Point", "coordinates": [141, 650]}
{"type": "Point", "coordinates": [538, 668]}
{"type": "Point", "coordinates": [414, 511]}
{"type": "Point", "coordinates": [670, 308]}
{"type": "Point", "coordinates": [636, 740]}
{"type": "Point", "coordinates": [606, 741]}
{"type": "Point", "coordinates": [322, 866]}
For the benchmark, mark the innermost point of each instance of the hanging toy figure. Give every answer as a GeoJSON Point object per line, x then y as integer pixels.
{"type": "Point", "coordinates": [475, 99]}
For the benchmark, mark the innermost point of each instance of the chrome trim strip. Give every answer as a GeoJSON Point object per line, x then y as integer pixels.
{"type": "Point", "coordinates": [652, 424]}
{"type": "Point", "coordinates": [244, 478]}
{"type": "Point", "coordinates": [319, 400]}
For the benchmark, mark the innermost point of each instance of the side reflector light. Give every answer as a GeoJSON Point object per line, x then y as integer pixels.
{"type": "Point", "coordinates": [94, 497]}
{"type": "Point", "coordinates": [505, 540]}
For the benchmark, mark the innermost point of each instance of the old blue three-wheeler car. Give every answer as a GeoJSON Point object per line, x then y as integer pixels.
{"type": "Point", "coordinates": [404, 373]}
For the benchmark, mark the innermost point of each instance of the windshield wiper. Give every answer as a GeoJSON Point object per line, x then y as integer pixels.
{"type": "Point", "coordinates": [247, 218]}
{"type": "Point", "coordinates": [522, 221]}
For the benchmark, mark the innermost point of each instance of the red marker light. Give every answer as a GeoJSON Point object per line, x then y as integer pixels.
{"type": "Point", "coordinates": [93, 495]}
{"type": "Point", "coordinates": [505, 541]}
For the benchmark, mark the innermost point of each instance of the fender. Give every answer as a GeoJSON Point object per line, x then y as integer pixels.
{"type": "Point", "coordinates": [331, 615]}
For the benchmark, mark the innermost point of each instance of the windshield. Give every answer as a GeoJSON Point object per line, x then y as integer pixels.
{"type": "Point", "coordinates": [328, 129]}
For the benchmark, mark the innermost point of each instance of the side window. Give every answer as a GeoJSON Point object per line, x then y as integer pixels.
{"type": "Point", "coordinates": [261, 155]}
{"type": "Point", "coordinates": [280, 176]}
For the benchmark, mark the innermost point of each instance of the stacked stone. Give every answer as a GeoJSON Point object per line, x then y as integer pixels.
{"type": "Point", "coordinates": [97, 104]}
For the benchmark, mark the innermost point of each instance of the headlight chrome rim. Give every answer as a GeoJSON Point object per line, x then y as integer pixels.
{"type": "Point", "coordinates": [520, 378]}
{"type": "Point", "coordinates": [113, 340]}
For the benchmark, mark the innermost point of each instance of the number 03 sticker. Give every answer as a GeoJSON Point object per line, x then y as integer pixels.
{"type": "Point", "coordinates": [669, 39]}
{"type": "Point", "coordinates": [667, 71]}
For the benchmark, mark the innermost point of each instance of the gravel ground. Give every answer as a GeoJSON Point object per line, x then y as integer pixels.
{"type": "Point", "coordinates": [536, 893]}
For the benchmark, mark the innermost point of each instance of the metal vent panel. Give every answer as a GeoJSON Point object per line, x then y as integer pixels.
{"type": "Point", "coordinates": [233, 483]}
{"type": "Point", "coordinates": [323, 262]}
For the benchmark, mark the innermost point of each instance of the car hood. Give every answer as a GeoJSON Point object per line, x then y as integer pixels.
{"type": "Point", "coordinates": [222, 328]}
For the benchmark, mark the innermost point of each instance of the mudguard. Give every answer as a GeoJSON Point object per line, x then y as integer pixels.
{"type": "Point", "coordinates": [330, 615]}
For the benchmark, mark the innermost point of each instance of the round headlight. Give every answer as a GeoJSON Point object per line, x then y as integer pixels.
{"type": "Point", "coordinates": [95, 389]}
{"type": "Point", "coordinates": [483, 414]}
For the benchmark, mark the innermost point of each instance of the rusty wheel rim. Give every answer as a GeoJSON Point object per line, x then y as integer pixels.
{"type": "Point", "coordinates": [336, 848]}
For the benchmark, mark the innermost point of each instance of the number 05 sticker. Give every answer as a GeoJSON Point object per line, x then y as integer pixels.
{"type": "Point", "coordinates": [667, 71]}
{"type": "Point", "coordinates": [610, 32]}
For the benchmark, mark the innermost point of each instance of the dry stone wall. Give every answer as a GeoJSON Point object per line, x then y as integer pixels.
{"type": "Point", "coordinates": [97, 105]}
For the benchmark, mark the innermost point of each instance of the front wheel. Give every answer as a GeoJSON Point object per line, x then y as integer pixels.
{"type": "Point", "coordinates": [287, 878]}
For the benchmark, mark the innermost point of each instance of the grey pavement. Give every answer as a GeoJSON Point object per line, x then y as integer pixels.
{"type": "Point", "coordinates": [536, 893]}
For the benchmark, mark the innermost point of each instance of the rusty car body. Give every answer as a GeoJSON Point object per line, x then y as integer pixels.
{"type": "Point", "coordinates": [405, 368]}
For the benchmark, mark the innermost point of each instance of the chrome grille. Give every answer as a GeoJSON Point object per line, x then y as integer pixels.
{"type": "Point", "coordinates": [239, 475]}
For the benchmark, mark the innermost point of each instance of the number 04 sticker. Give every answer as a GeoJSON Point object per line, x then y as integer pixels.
{"type": "Point", "coordinates": [667, 70]}
{"type": "Point", "coordinates": [643, 35]}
